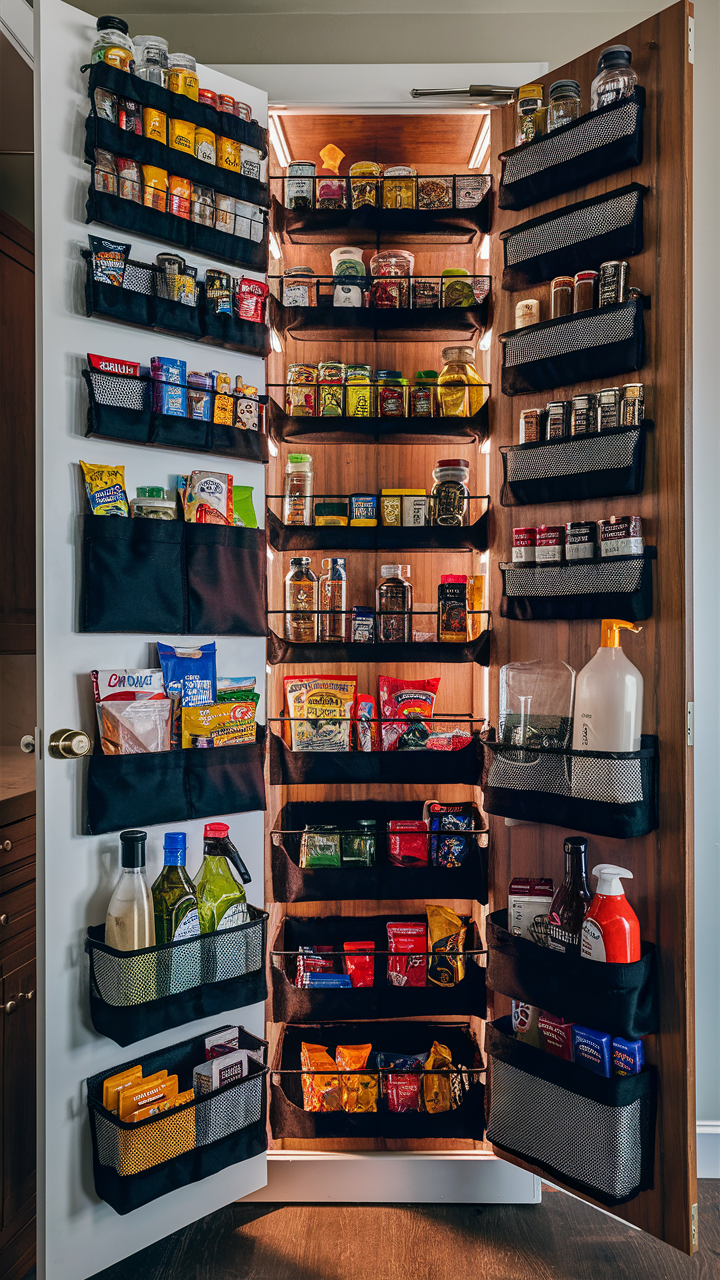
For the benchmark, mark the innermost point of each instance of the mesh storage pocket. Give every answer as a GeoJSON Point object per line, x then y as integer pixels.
{"type": "Point", "coordinates": [606, 465]}
{"type": "Point", "coordinates": [576, 348]}
{"type": "Point", "coordinates": [618, 587]}
{"type": "Point", "coordinates": [139, 993]}
{"type": "Point", "coordinates": [426, 766]}
{"type": "Point", "coordinates": [578, 237]}
{"type": "Point", "coordinates": [136, 1163]}
{"type": "Point", "coordinates": [593, 147]}
{"type": "Point", "coordinates": [602, 792]}
{"type": "Point", "coordinates": [621, 999]}
{"type": "Point", "coordinates": [595, 1135]}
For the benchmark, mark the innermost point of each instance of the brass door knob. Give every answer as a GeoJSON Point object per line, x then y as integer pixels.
{"type": "Point", "coordinates": [28, 995]}
{"type": "Point", "coordinates": [11, 1006]}
{"type": "Point", "coordinates": [68, 744]}
{"type": "Point", "coordinates": [7, 845]}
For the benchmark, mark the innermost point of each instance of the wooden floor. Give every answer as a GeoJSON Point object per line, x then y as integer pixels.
{"type": "Point", "coordinates": [561, 1239]}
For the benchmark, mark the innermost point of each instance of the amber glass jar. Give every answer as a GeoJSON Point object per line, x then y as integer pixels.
{"type": "Point", "coordinates": [461, 390]}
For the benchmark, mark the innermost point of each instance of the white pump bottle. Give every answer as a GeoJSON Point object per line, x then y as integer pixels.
{"type": "Point", "coordinates": [609, 697]}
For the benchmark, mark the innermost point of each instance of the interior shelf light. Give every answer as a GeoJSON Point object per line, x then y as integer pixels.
{"type": "Point", "coordinates": [482, 143]}
{"type": "Point", "coordinates": [277, 137]}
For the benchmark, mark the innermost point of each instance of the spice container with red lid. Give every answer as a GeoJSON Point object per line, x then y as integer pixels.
{"type": "Point", "coordinates": [209, 97]}
{"type": "Point", "coordinates": [550, 544]}
{"type": "Point", "coordinates": [524, 544]}
{"type": "Point", "coordinates": [584, 290]}
{"type": "Point", "coordinates": [561, 296]}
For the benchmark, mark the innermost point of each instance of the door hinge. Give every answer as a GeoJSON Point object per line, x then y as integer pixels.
{"type": "Point", "coordinates": [694, 1227]}
{"type": "Point", "coordinates": [691, 40]}
{"type": "Point", "coordinates": [691, 724]}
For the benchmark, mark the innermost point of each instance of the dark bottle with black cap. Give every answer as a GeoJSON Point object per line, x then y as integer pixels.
{"type": "Point", "coordinates": [615, 79]}
{"type": "Point", "coordinates": [130, 920]}
{"type": "Point", "coordinates": [572, 899]}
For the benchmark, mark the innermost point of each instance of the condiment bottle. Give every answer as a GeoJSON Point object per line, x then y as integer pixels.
{"type": "Point", "coordinates": [182, 75]}
{"type": "Point", "coordinates": [611, 930]}
{"type": "Point", "coordinates": [333, 601]}
{"type": "Point", "coordinates": [130, 922]}
{"type": "Point", "coordinates": [423, 395]}
{"type": "Point", "coordinates": [461, 390]}
{"type": "Point", "coordinates": [299, 489]}
{"type": "Point", "coordinates": [301, 602]}
{"type": "Point", "coordinates": [393, 603]}
{"type": "Point", "coordinates": [530, 113]}
{"type": "Point", "coordinates": [615, 78]}
{"type": "Point", "coordinates": [561, 296]}
{"type": "Point", "coordinates": [359, 397]}
{"type": "Point", "coordinates": [112, 43]}
{"type": "Point", "coordinates": [568, 907]}
{"type": "Point", "coordinates": [174, 898]}
{"type": "Point", "coordinates": [221, 900]}
{"type": "Point", "coordinates": [584, 293]}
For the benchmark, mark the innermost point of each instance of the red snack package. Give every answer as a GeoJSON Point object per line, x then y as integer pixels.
{"type": "Point", "coordinates": [366, 723]}
{"type": "Point", "coordinates": [402, 704]}
{"type": "Point", "coordinates": [110, 364]}
{"type": "Point", "coordinates": [360, 967]}
{"type": "Point", "coordinates": [409, 941]}
{"type": "Point", "coordinates": [251, 297]}
{"type": "Point", "coordinates": [556, 1035]}
{"type": "Point", "coordinates": [401, 1092]}
{"type": "Point", "coordinates": [405, 848]}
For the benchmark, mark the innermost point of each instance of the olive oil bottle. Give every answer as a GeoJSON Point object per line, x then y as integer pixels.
{"type": "Point", "coordinates": [174, 898]}
{"type": "Point", "coordinates": [221, 900]}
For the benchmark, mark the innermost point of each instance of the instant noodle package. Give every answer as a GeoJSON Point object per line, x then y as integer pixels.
{"type": "Point", "coordinates": [320, 711]}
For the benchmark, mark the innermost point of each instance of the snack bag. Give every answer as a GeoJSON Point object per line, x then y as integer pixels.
{"type": "Point", "coordinates": [366, 723]}
{"type": "Point", "coordinates": [105, 487]}
{"type": "Point", "coordinates": [312, 960]}
{"type": "Point", "coordinates": [450, 848]}
{"type": "Point", "coordinates": [437, 1094]}
{"type": "Point", "coordinates": [360, 963]}
{"type": "Point", "coordinates": [190, 679]}
{"type": "Point", "coordinates": [221, 724]}
{"type": "Point", "coordinates": [408, 966]}
{"type": "Point", "coordinates": [109, 260]}
{"type": "Point", "coordinates": [403, 701]}
{"type": "Point", "coordinates": [446, 933]}
{"type": "Point", "coordinates": [407, 842]}
{"type": "Point", "coordinates": [208, 498]}
{"type": "Point", "coordinates": [127, 684]}
{"type": "Point", "coordinates": [320, 1092]}
{"type": "Point", "coordinates": [243, 509]}
{"type": "Point", "coordinates": [133, 711]}
{"type": "Point", "coordinates": [401, 1091]}
{"type": "Point", "coordinates": [320, 710]}
{"type": "Point", "coordinates": [236, 689]}
{"type": "Point", "coordinates": [359, 1093]}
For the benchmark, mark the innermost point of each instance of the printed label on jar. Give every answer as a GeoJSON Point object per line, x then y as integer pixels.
{"type": "Point", "coordinates": [524, 554]}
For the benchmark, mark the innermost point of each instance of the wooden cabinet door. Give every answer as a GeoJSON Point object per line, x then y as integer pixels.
{"type": "Point", "coordinates": [662, 889]}
{"type": "Point", "coordinates": [17, 1053]}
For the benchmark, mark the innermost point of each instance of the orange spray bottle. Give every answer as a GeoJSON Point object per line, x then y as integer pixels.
{"type": "Point", "coordinates": [611, 930]}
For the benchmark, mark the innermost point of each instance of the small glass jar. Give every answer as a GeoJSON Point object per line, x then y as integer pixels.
{"type": "Point", "coordinates": [423, 395]}
{"type": "Point", "coordinates": [359, 391]}
{"type": "Point", "coordinates": [319, 847]}
{"type": "Point", "coordinates": [461, 391]}
{"type": "Point", "coordinates": [359, 846]}
{"type": "Point", "coordinates": [112, 43]}
{"type": "Point", "coordinates": [331, 192]}
{"type": "Point", "coordinates": [151, 59]}
{"type": "Point", "coordinates": [152, 503]}
{"type": "Point", "coordinates": [393, 604]}
{"type": "Point", "coordinates": [584, 290]}
{"type": "Point", "coordinates": [561, 296]}
{"type": "Point", "coordinates": [299, 287]}
{"type": "Point", "coordinates": [392, 394]}
{"type": "Point", "coordinates": [449, 496]}
{"type": "Point", "coordinates": [392, 269]}
{"type": "Point", "coordinates": [564, 105]}
{"type": "Point", "coordinates": [530, 113]}
{"type": "Point", "coordinates": [299, 490]}
{"type": "Point", "coordinates": [182, 75]}
{"type": "Point", "coordinates": [615, 79]}
{"type": "Point", "coordinates": [301, 602]}
{"type": "Point", "coordinates": [364, 176]}
{"type": "Point", "coordinates": [301, 391]}
{"type": "Point", "coordinates": [300, 185]}
{"type": "Point", "coordinates": [399, 187]}
{"type": "Point", "coordinates": [331, 379]}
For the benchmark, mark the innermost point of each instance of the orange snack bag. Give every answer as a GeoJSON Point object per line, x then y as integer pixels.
{"type": "Point", "coordinates": [359, 1093]}
{"type": "Point", "coordinates": [146, 1092]}
{"type": "Point", "coordinates": [320, 1092]}
{"type": "Point", "coordinates": [113, 1084]}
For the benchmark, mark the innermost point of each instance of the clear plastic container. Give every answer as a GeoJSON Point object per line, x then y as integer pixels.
{"type": "Point", "coordinates": [536, 704]}
{"type": "Point", "coordinates": [449, 494]}
{"type": "Point", "coordinates": [151, 58]}
{"type": "Point", "coordinates": [333, 601]}
{"type": "Point", "coordinates": [564, 105]}
{"type": "Point", "coordinates": [461, 390]}
{"type": "Point", "coordinates": [182, 75]}
{"type": "Point", "coordinates": [615, 79]}
{"type": "Point", "coordinates": [299, 489]}
{"type": "Point", "coordinates": [112, 43]}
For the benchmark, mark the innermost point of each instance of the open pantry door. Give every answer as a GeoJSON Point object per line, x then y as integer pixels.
{"type": "Point", "coordinates": [537, 1126]}
{"type": "Point", "coordinates": [78, 1233]}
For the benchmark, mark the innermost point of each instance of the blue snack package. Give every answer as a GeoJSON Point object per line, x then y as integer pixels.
{"type": "Point", "coordinates": [167, 369]}
{"type": "Point", "coordinates": [628, 1057]}
{"type": "Point", "coordinates": [449, 848]}
{"type": "Point", "coordinates": [592, 1049]}
{"type": "Point", "coordinates": [169, 399]}
{"type": "Point", "coordinates": [327, 980]}
{"type": "Point", "coordinates": [190, 680]}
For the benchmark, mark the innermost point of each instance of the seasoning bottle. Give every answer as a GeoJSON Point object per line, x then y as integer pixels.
{"type": "Point", "coordinates": [399, 187]}
{"type": "Point", "coordinates": [299, 489]}
{"type": "Point", "coordinates": [301, 602]}
{"type": "Point", "coordinates": [393, 604]}
{"type": "Point", "coordinates": [561, 296]}
{"type": "Point", "coordinates": [461, 391]}
{"type": "Point", "coordinates": [359, 398]}
{"type": "Point", "coordinates": [364, 176]}
{"type": "Point", "coordinates": [151, 59]}
{"type": "Point", "coordinates": [112, 43]}
{"type": "Point", "coordinates": [527, 312]}
{"type": "Point", "coordinates": [449, 495]}
{"type": "Point", "coordinates": [333, 601]}
{"type": "Point", "coordinates": [564, 105]}
{"type": "Point", "coordinates": [572, 899]}
{"type": "Point", "coordinates": [584, 292]}
{"type": "Point", "coordinates": [423, 395]}
{"type": "Point", "coordinates": [530, 113]}
{"type": "Point", "coordinates": [300, 184]}
{"type": "Point", "coordinates": [615, 78]}
{"type": "Point", "coordinates": [392, 394]}
{"type": "Point", "coordinates": [221, 900]}
{"type": "Point", "coordinates": [130, 921]}
{"type": "Point", "coordinates": [174, 898]}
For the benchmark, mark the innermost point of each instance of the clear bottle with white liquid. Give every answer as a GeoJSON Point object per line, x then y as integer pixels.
{"type": "Point", "coordinates": [130, 920]}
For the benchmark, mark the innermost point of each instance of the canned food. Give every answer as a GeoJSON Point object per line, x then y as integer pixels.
{"type": "Point", "coordinates": [613, 284]}
{"type": "Point", "coordinates": [632, 405]}
{"type": "Point", "coordinates": [524, 544]}
{"type": "Point", "coordinates": [530, 425]}
{"type": "Point", "coordinates": [550, 543]}
{"type": "Point", "coordinates": [580, 540]}
{"type": "Point", "coordinates": [620, 536]}
{"type": "Point", "coordinates": [558, 419]}
{"type": "Point", "coordinates": [584, 415]}
{"type": "Point", "coordinates": [608, 410]}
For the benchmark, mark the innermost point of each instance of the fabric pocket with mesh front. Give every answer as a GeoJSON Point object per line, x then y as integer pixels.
{"type": "Point", "coordinates": [135, 994]}
{"type": "Point", "coordinates": [593, 1134]}
{"type": "Point", "coordinates": [618, 587]}
{"type": "Point", "coordinates": [608, 464]}
{"type": "Point", "coordinates": [589, 344]}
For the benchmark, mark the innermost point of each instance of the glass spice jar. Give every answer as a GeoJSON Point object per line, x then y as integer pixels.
{"type": "Point", "coordinates": [615, 79]}
{"type": "Point", "coordinates": [564, 105]}
{"type": "Point", "coordinates": [399, 187]}
{"type": "Point", "coordinates": [561, 296]}
{"type": "Point", "coordinates": [359, 845]}
{"type": "Point", "coordinates": [393, 604]}
{"type": "Point", "coordinates": [392, 269]}
{"type": "Point", "coordinates": [392, 394]}
{"type": "Point", "coordinates": [461, 390]}
{"type": "Point", "coordinates": [330, 192]}
{"type": "Point", "coordinates": [359, 398]}
{"type": "Point", "coordinates": [300, 184]}
{"type": "Point", "coordinates": [301, 602]}
{"type": "Point", "coordinates": [301, 391]}
{"type": "Point", "coordinates": [423, 395]}
{"type": "Point", "coordinates": [331, 378]}
{"type": "Point", "coordinates": [449, 496]}
{"type": "Point", "coordinates": [298, 490]}
{"type": "Point", "coordinates": [584, 293]}
{"type": "Point", "coordinates": [364, 176]}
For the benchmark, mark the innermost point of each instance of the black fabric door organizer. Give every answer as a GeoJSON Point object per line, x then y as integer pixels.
{"type": "Point", "coordinates": [134, 1163]}
{"type": "Point", "coordinates": [434, 768]}
{"type": "Point", "coordinates": [607, 465]}
{"type": "Point", "coordinates": [430, 537]}
{"type": "Point", "coordinates": [289, 1120]}
{"type": "Point", "coordinates": [279, 650]}
{"type": "Point", "coordinates": [291, 1003]}
{"type": "Point", "coordinates": [619, 999]}
{"type": "Point", "coordinates": [593, 1134]}
{"type": "Point", "coordinates": [618, 587]}
{"type": "Point", "coordinates": [173, 786]}
{"type": "Point", "coordinates": [384, 881]}
{"type": "Point", "coordinates": [337, 430]}
{"type": "Point", "coordinates": [598, 144]}
{"type": "Point", "coordinates": [135, 994]}
{"type": "Point", "coordinates": [576, 238]}
{"type": "Point", "coordinates": [600, 343]}
{"type": "Point", "coordinates": [172, 577]}
{"type": "Point", "coordinates": [120, 408]}
{"type": "Point", "coordinates": [606, 793]}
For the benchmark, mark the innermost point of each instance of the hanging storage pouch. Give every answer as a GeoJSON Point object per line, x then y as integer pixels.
{"type": "Point", "coordinates": [619, 999]}
{"type": "Point", "coordinates": [134, 1163]}
{"type": "Point", "coordinates": [577, 348]}
{"type": "Point", "coordinates": [477, 650]}
{"type": "Point", "coordinates": [288, 1119]}
{"type": "Point", "coordinates": [383, 881]}
{"type": "Point", "coordinates": [618, 587]}
{"type": "Point", "coordinates": [434, 768]}
{"type": "Point", "coordinates": [609, 464]}
{"type": "Point", "coordinates": [595, 1135]}
{"type": "Point", "coordinates": [576, 238]}
{"type": "Point", "coordinates": [606, 793]}
{"type": "Point", "coordinates": [136, 994]}
{"type": "Point", "coordinates": [173, 786]}
{"type": "Point", "coordinates": [598, 144]}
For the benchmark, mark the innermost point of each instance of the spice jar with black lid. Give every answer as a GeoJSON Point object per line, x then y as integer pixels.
{"type": "Point", "coordinates": [580, 540]}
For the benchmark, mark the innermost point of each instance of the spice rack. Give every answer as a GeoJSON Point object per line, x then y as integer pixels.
{"type": "Point", "coordinates": [399, 324]}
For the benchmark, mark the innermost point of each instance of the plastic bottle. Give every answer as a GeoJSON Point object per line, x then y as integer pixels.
{"type": "Point", "coordinates": [112, 43]}
{"type": "Point", "coordinates": [130, 921]}
{"type": "Point", "coordinates": [174, 898]}
{"type": "Point", "coordinates": [615, 78]}
{"type": "Point", "coordinates": [299, 487]}
{"type": "Point", "coordinates": [609, 696]}
{"type": "Point", "coordinates": [221, 900]}
{"type": "Point", "coordinates": [333, 600]}
{"type": "Point", "coordinates": [611, 930]}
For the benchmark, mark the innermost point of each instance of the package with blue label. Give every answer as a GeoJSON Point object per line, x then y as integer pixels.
{"type": "Point", "coordinates": [190, 680]}
{"type": "Point", "coordinates": [448, 847]}
{"type": "Point", "coordinates": [169, 390]}
{"type": "Point", "coordinates": [592, 1049]}
{"type": "Point", "coordinates": [199, 396]}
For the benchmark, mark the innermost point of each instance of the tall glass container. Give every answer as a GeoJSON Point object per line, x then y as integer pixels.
{"type": "Point", "coordinates": [299, 489]}
{"type": "Point", "coordinates": [333, 601]}
{"type": "Point", "coordinates": [301, 602]}
{"type": "Point", "coordinates": [174, 898]}
{"type": "Point", "coordinates": [461, 390]}
{"type": "Point", "coordinates": [130, 921]}
{"type": "Point", "coordinates": [393, 604]}
{"type": "Point", "coordinates": [615, 78]}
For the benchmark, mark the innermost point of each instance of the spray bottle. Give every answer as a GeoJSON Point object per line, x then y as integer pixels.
{"type": "Point", "coordinates": [611, 930]}
{"type": "Point", "coordinates": [609, 697]}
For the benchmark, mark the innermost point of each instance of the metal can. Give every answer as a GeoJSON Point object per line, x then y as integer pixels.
{"type": "Point", "coordinates": [632, 405]}
{"type": "Point", "coordinates": [550, 543]}
{"type": "Point", "coordinates": [608, 410]}
{"type": "Point", "coordinates": [557, 424]}
{"type": "Point", "coordinates": [524, 544]}
{"type": "Point", "coordinates": [580, 540]}
{"type": "Point", "coordinates": [620, 536]}
{"type": "Point", "coordinates": [530, 425]}
{"type": "Point", "coordinates": [300, 185]}
{"type": "Point", "coordinates": [613, 283]}
{"type": "Point", "coordinates": [584, 415]}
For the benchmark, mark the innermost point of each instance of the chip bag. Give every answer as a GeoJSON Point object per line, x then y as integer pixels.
{"type": "Point", "coordinates": [109, 260]}
{"type": "Point", "coordinates": [190, 679]}
{"type": "Point", "coordinates": [320, 711]}
{"type": "Point", "coordinates": [321, 1092]}
{"type": "Point", "coordinates": [359, 963]}
{"type": "Point", "coordinates": [407, 963]}
{"type": "Point", "coordinates": [437, 1091]}
{"type": "Point", "coordinates": [208, 497]}
{"type": "Point", "coordinates": [105, 487]}
{"type": "Point", "coordinates": [446, 936]}
{"type": "Point", "coordinates": [359, 1092]}
{"type": "Point", "coordinates": [400, 1079]}
{"type": "Point", "coordinates": [404, 704]}
{"type": "Point", "coordinates": [243, 509]}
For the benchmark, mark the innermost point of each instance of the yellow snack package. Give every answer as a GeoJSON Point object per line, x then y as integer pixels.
{"type": "Point", "coordinates": [221, 724]}
{"type": "Point", "coordinates": [446, 936]}
{"type": "Point", "coordinates": [170, 1134]}
{"type": "Point", "coordinates": [167, 1104]}
{"type": "Point", "coordinates": [152, 1089]}
{"type": "Point", "coordinates": [105, 487]}
{"type": "Point", "coordinates": [437, 1093]}
{"type": "Point", "coordinates": [359, 1093]}
{"type": "Point", "coordinates": [320, 711]}
{"type": "Point", "coordinates": [113, 1084]}
{"type": "Point", "coordinates": [320, 1092]}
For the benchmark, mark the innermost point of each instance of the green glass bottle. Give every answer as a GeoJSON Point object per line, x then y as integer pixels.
{"type": "Point", "coordinates": [221, 900]}
{"type": "Point", "coordinates": [174, 898]}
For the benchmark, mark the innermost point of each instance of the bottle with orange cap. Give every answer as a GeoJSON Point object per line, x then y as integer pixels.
{"type": "Point", "coordinates": [609, 696]}
{"type": "Point", "coordinates": [221, 898]}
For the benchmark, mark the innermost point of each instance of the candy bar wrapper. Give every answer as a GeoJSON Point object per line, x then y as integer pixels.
{"type": "Point", "coordinates": [109, 260]}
